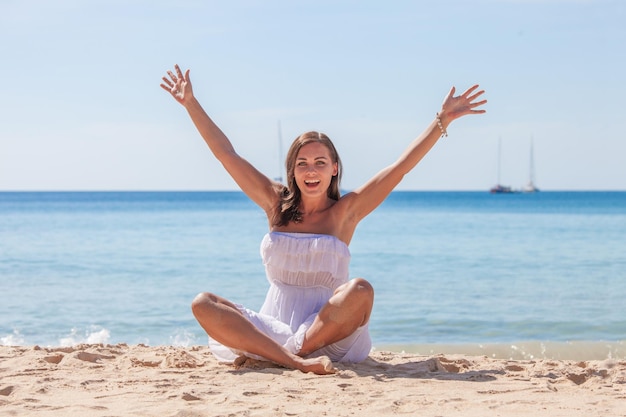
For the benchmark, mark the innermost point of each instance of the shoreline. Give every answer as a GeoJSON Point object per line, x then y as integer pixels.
{"type": "Point", "coordinates": [582, 350]}
{"type": "Point", "coordinates": [122, 380]}
{"type": "Point", "coordinates": [519, 350]}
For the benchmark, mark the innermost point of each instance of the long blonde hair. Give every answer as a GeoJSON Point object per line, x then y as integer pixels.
{"type": "Point", "coordinates": [288, 209]}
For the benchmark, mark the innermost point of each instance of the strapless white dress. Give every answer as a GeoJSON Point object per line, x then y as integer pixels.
{"type": "Point", "coordinates": [304, 270]}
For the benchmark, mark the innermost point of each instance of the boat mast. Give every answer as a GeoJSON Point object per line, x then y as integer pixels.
{"type": "Point", "coordinates": [499, 157]}
{"type": "Point", "coordinates": [532, 163]}
{"type": "Point", "coordinates": [531, 187]}
{"type": "Point", "coordinates": [499, 188]}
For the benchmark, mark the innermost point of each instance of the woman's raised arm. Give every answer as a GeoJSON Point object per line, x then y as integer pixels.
{"type": "Point", "coordinates": [369, 196]}
{"type": "Point", "coordinates": [261, 189]}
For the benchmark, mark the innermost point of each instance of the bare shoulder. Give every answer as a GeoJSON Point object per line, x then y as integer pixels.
{"type": "Point", "coordinates": [345, 203]}
{"type": "Point", "coordinates": [349, 205]}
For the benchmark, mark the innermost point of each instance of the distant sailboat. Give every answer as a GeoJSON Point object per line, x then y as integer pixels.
{"type": "Point", "coordinates": [499, 188]}
{"type": "Point", "coordinates": [531, 187]}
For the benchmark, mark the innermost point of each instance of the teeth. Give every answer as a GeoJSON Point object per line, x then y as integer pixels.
{"type": "Point", "coordinates": [311, 181]}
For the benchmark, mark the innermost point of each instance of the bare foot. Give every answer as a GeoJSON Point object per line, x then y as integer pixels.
{"type": "Point", "coordinates": [250, 363]}
{"type": "Point", "coordinates": [321, 365]}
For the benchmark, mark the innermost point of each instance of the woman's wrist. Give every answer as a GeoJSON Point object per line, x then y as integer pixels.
{"type": "Point", "coordinates": [442, 124]}
{"type": "Point", "coordinates": [445, 118]}
{"type": "Point", "coordinates": [190, 103]}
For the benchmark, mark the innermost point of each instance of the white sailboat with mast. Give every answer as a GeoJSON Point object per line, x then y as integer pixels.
{"type": "Point", "coordinates": [499, 188]}
{"type": "Point", "coordinates": [531, 187]}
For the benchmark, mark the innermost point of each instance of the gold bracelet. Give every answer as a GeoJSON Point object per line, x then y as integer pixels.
{"type": "Point", "coordinates": [443, 131]}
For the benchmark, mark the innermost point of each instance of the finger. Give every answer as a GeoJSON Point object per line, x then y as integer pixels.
{"type": "Point", "coordinates": [166, 88]}
{"type": "Point", "coordinates": [168, 82]}
{"type": "Point", "coordinates": [449, 95]}
{"type": "Point", "coordinates": [477, 104]}
{"type": "Point", "coordinates": [172, 76]}
{"type": "Point", "coordinates": [187, 76]}
{"type": "Point", "coordinates": [474, 96]}
{"type": "Point", "coordinates": [178, 71]}
{"type": "Point", "coordinates": [469, 90]}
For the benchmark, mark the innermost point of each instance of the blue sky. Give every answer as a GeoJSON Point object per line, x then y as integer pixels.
{"type": "Point", "coordinates": [81, 107]}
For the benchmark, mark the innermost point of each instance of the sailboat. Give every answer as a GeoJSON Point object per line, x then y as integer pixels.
{"type": "Point", "coordinates": [531, 187]}
{"type": "Point", "coordinates": [499, 188]}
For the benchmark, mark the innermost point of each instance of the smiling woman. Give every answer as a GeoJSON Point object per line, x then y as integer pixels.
{"type": "Point", "coordinates": [313, 313]}
{"type": "Point", "coordinates": [313, 157]}
{"type": "Point", "coordinates": [315, 169]}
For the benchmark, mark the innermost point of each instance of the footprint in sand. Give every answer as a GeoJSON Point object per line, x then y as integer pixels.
{"type": "Point", "coordinates": [578, 379]}
{"type": "Point", "coordinates": [182, 360]}
{"type": "Point", "coordinates": [190, 397]}
{"type": "Point", "coordinates": [454, 366]}
{"type": "Point", "coordinates": [92, 357]}
{"type": "Point", "coordinates": [514, 368]}
{"type": "Point", "coordinates": [56, 359]}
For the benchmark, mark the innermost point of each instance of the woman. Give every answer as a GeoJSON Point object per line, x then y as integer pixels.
{"type": "Point", "coordinates": [312, 314]}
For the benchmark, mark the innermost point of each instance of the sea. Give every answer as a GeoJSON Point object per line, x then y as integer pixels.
{"type": "Point", "coordinates": [520, 276]}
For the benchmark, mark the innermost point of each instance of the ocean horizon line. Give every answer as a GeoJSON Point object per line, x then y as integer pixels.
{"type": "Point", "coordinates": [137, 191]}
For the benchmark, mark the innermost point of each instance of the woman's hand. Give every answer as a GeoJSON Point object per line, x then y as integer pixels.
{"type": "Point", "coordinates": [178, 85]}
{"type": "Point", "coordinates": [455, 107]}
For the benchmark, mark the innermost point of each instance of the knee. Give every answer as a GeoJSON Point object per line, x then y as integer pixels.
{"type": "Point", "coordinates": [362, 294]}
{"type": "Point", "coordinates": [362, 288]}
{"type": "Point", "coordinates": [202, 302]}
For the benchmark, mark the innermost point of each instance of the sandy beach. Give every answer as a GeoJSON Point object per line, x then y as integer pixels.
{"type": "Point", "coordinates": [123, 380]}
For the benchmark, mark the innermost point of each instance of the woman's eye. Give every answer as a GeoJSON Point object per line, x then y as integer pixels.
{"type": "Point", "coordinates": [321, 163]}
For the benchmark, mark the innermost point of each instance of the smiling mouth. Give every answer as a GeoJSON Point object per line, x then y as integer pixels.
{"type": "Point", "coordinates": [311, 183]}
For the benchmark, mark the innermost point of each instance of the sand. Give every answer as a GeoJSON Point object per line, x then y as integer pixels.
{"type": "Point", "coordinates": [122, 380]}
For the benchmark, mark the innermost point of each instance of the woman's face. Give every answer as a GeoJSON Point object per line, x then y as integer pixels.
{"type": "Point", "coordinates": [314, 169]}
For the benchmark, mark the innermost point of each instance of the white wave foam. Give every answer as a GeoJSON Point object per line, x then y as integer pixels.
{"type": "Point", "coordinates": [94, 335]}
{"type": "Point", "coordinates": [13, 339]}
{"type": "Point", "coordinates": [182, 338]}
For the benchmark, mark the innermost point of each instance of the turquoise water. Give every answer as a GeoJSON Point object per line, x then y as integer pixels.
{"type": "Point", "coordinates": [449, 268]}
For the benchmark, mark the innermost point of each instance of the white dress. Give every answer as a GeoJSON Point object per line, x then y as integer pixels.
{"type": "Point", "coordinates": [303, 270]}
